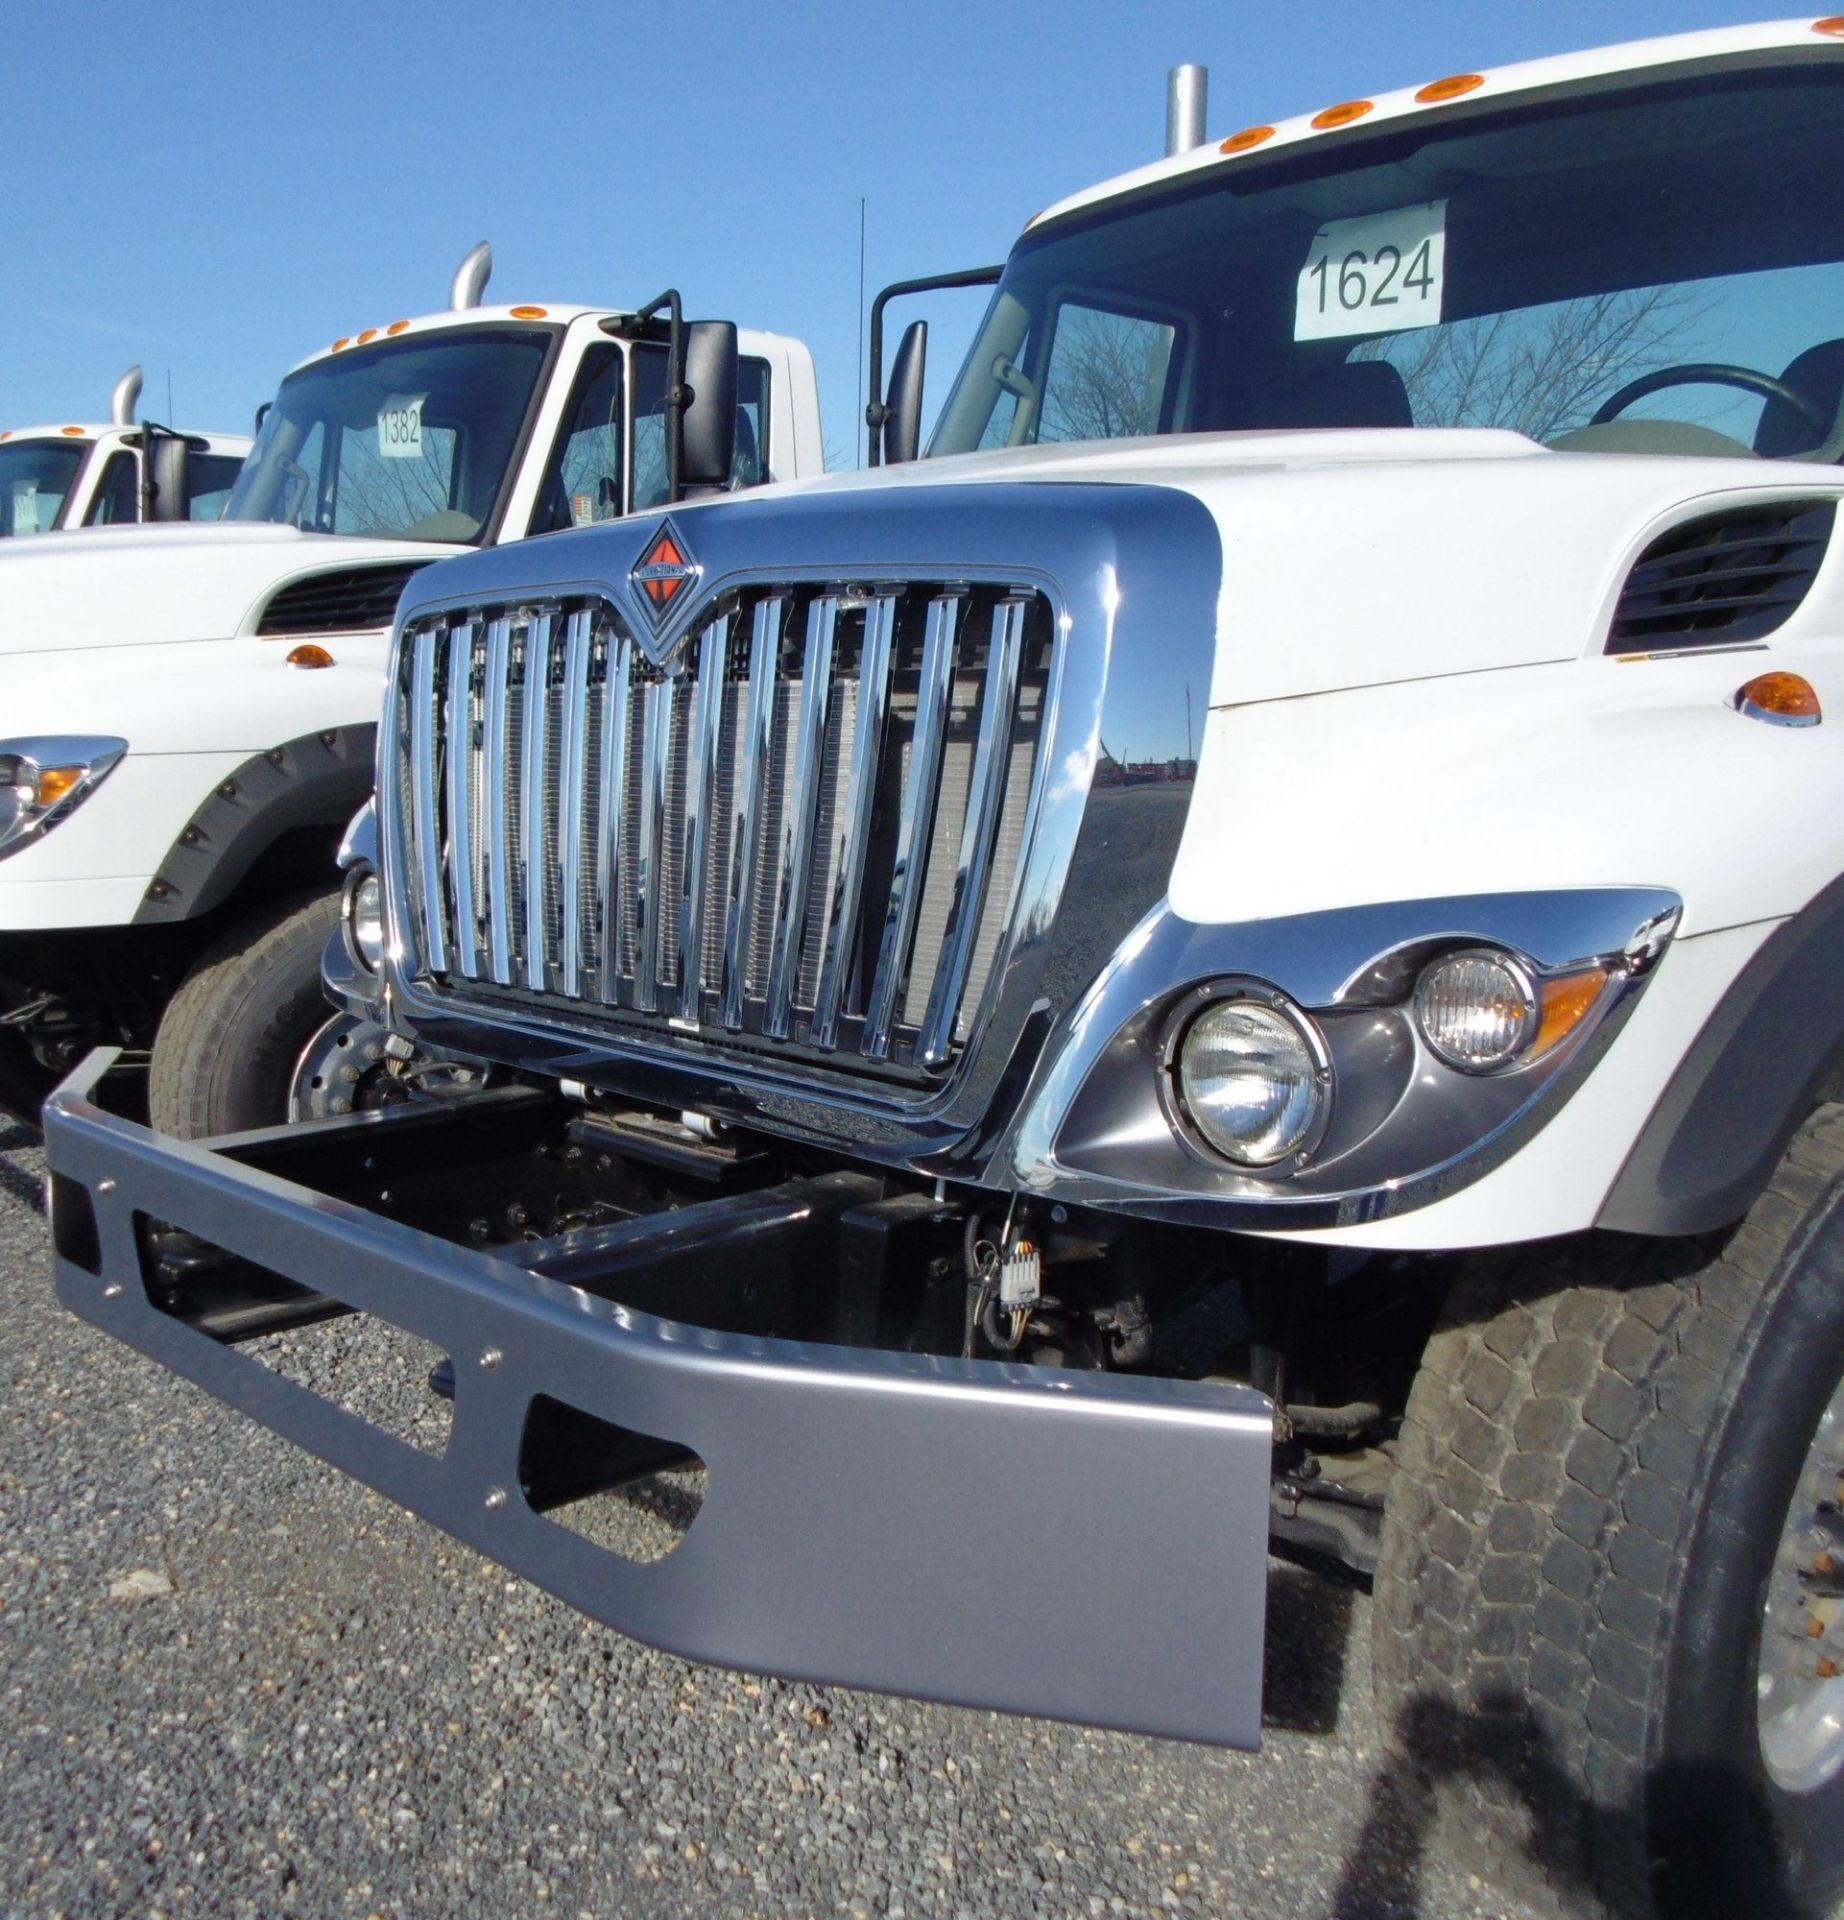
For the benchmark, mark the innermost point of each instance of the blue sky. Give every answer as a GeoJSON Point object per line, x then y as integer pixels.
{"type": "Point", "coordinates": [218, 190]}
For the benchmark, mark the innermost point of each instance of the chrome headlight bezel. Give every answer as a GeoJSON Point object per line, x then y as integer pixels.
{"type": "Point", "coordinates": [1182, 1021]}
{"type": "Point", "coordinates": [352, 915]}
{"type": "Point", "coordinates": [24, 763]}
{"type": "Point", "coordinates": [1523, 978]}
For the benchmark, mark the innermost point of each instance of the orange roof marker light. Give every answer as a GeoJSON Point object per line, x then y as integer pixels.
{"type": "Point", "coordinates": [1247, 138]}
{"type": "Point", "coordinates": [344, 340]}
{"type": "Point", "coordinates": [531, 313]}
{"type": "Point", "coordinates": [1451, 88]}
{"type": "Point", "coordinates": [396, 327]}
{"type": "Point", "coordinates": [1833, 24]}
{"type": "Point", "coordinates": [72, 433]}
{"type": "Point", "coordinates": [1781, 699]}
{"type": "Point", "coordinates": [370, 333]}
{"type": "Point", "coordinates": [1343, 114]}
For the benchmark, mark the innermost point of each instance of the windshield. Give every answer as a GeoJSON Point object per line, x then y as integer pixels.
{"type": "Point", "coordinates": [410, 440]}
{"type": "Point", "coordinates": [35, 475]}
{"type": "Point", "coordinates": [1653, 270]}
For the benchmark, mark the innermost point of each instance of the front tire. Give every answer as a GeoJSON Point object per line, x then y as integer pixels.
{"type": "Point", "coordinates": [1609, 1565]}
{"type": "Point", "coordinates": [232, 1037]}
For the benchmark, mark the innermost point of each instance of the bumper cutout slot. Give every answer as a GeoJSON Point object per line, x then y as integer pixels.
{"type": "Point", "coordinates": [631, 1494]}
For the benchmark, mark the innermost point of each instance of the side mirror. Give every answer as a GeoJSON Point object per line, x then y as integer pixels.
{"type": "Point", "coordinates": [708, 422]}
{"type": "Point", "coordinates": [903, 403]}
{"type": "Point", "coordinates": [165, 459]}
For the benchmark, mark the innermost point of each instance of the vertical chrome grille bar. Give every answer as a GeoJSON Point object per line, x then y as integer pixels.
{"type": "Point", "coordinates": [496, 803]}
{"type": "Point", "coordinates": [649, 904]}
{"type": "Point", "coordinates": [572, 798]}
{"type": "Point", "coordinates": [985, 795]}
{"type": "Point", "coordinates": [700, 804]}
{"type": "Point", "coordinates": [854, 816]}
{"type": "Point", "coordinates": [532, 791]}
{"type": "Point", "coordinates": [794, 855]}
{"type": "Point", "coordinates": [751, 797]}
{"type": "Point", "coordinates": [609, 879]}
{"type": "Point", "coordinates": [460, 760]}
{"type": "Point", "coordinates": [425, 825]}
{"type": "Point", "coordinates": [915, 825]}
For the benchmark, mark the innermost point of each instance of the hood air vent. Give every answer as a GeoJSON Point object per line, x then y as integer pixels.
{"type": "Point", "coordinates": [347, 602]}
{"type": "Point", "coordinates": [1724, 579]}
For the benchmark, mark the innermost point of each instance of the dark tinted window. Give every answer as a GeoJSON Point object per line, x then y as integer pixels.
{"type": "Point", "coordinates": [35, 475]}
{"type": "Point", "coordinates": [118, 499]}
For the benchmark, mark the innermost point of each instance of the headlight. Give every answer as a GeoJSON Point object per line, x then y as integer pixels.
{"type": "Point", "coordinates": [43, 779]}
{"type": "Point", "coordinates": [364, 909]}
{"type": "Point", "coordinates": [1477, 1009]}
{"type": "Point", "coordinates": [1251, 1081]}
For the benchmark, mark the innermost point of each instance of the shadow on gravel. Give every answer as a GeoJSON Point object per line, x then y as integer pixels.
{"type": "Point", "coordinates": [15, 1180]}
{"type": "Point", "coordinates": [1521, 1820]}
{"type": "Point", "coordinates": [1309, 1630]}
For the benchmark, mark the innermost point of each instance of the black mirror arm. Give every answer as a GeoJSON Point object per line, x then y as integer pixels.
{"type": "Point", "coordinates": [678, 395]}
{"type": "Point", "coordinates": [876, 410]}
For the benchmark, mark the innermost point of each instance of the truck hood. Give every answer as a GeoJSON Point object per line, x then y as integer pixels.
{"type": "Point", "coordinates": [156, 585]}
{"type": "Point", "coordinates": [1361, 558]}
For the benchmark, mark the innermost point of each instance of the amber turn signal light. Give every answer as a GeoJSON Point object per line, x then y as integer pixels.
{"type": "Point", "coordinates": [1562, 1005]}
{"type": "Point", "coordinates": [51, 784]}
{"type": "Point", "coordinates": [307, 654]}
{"type": "Point", "coordinates": [1781, 699]}
{"type": "Point", "coordinates": [1247, 138]}
{"type": "Point", "coordinates": [1451, 88]}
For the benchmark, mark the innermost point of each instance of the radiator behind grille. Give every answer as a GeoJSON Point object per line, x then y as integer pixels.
{"type": "Point", "coordinates": [819, 805]}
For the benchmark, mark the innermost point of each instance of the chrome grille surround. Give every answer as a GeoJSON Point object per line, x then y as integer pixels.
{"type": "Point", "coordinates": [888, 730]}
{"type": "Point", "coordinates": [1132, 575]}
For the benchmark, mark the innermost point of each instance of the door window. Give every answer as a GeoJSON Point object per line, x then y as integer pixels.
{"type": "Point", "coordinates": [1107, 375]}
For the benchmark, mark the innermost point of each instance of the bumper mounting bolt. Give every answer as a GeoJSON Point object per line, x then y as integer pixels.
{"type": "Point", "coordinates": [491, 1358]}
{"type": "Point", "coordinates": [496, 1499]}
{"type": "Point", "coordinates": [113, 1291]}
{"type": "Point", "coordinates": [106, 1184]}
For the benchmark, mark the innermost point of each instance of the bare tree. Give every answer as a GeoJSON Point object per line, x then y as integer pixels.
{"type": "Point", "coordinates": [1107, 373]}
{"type": "Point", "coordinates": [1542, 371]}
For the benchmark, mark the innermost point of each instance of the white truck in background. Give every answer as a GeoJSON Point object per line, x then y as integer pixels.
{"type": "Point", "coordinates": [190, 710]}
{"type": "Point", "coordinates": [106, 476]}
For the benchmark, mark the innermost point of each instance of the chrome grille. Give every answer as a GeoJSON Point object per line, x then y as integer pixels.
{"type": "Point", "coordinates": [801, 831]}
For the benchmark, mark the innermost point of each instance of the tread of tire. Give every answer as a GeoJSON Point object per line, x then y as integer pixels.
{"type": "Point", "coordinates": [205, 1007]}
{"type": "Point", "coordinates": [1530, 1563]}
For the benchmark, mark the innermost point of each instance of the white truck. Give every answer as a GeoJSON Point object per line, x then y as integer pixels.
{"type": "Point", "coordinates": [190, 710]}
{"type": "Point", "coordinates": [104, 476]}
{"type": "Point", "coordinates": [1364, 847]}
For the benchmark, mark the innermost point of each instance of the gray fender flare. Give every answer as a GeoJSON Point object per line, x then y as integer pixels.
{"type": "Point", "coordinates": [319, 780]}
{"type": "Point", "coordinates": [1767, 1055]}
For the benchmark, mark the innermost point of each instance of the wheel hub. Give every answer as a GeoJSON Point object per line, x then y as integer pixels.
{"type": "Point", "coordinates": [1801, 1679]}
{"type": "Point", "coordinates": [342, 1069]}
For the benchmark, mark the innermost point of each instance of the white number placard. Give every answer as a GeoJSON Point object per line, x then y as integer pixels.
{"type": "Point", "coordinates": [400, 426]}
{"type": "Point", "coordinates": [1379, 274]}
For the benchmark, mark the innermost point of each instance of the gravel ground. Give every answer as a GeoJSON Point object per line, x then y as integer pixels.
{"type": "Point", "coordinates": [234, 1684]}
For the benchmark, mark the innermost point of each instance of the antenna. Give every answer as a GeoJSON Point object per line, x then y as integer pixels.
{"type": "Point", "coordinates": [860, 386]}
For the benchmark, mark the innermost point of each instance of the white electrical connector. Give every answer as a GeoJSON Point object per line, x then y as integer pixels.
{"type": "Point", "coordinates": [1021, 1278]}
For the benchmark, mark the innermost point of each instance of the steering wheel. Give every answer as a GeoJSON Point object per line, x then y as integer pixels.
{"type": "Point", "coordinates": [1709, 373]}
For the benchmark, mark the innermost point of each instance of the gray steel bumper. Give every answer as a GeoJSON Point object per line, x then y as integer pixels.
{"type": "Point", "coordinates": [1088, 1547]}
